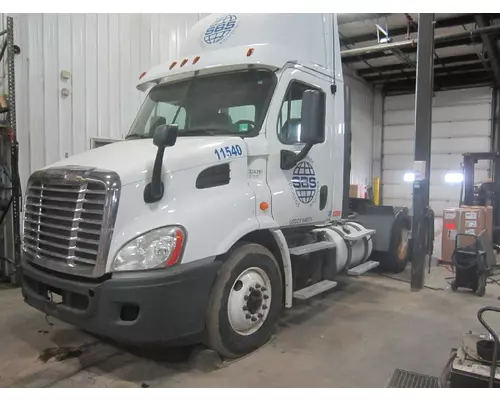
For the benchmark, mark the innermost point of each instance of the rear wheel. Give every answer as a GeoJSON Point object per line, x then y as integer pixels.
{"type": "Point", "coordinates": [396, 258]}
{"type": "Point", "coordinates": [245, 302]}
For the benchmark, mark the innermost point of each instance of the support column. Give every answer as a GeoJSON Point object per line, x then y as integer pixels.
{"type": "Point", "coordinates": [423, 128]}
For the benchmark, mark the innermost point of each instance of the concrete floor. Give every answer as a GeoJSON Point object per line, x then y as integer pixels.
{"type": "Point", "coordinates": [355, 336]}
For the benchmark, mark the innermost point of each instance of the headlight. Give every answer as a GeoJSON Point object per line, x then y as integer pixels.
{"type": "Point", "coordinates": [156, 249]}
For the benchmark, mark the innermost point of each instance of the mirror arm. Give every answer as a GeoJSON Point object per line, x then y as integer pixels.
{"type": "Point", "coordinates": [289, 159]}
{"type": "Point", "coordinates": [153, 191]}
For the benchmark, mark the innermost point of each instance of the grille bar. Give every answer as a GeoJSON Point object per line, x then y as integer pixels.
{"type": "Point", "coordinates": [61, 237]}
{"type": "Point", "coordinates": [68, 190]}
{"type": "Point", "coordinates": [56, 255]}
{"type": "Point", "coordinates": [58, 208]}
{"type": "Point", "coordinates": [59, 218]}
{"type": "Point", "coordinates": [63, 199]}
{"type": "Point", "coordinates": [61, 246]}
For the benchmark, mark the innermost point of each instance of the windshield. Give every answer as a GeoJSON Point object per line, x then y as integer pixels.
{"type": "Point", "coordinates": [225, 104]}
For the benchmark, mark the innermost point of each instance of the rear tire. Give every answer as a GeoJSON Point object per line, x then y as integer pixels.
{"type": "Point", "coordinates": [242, 310]}
{"type": "Point", "coordinates": [396, 258]}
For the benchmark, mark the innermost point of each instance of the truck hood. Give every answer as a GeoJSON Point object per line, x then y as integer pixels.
{"type": "Point", "coordinates": [133, 160]}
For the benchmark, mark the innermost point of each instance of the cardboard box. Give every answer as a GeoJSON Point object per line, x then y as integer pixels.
{"type": "Point", "coordinates": [353, 191]}
{"type": "Point", "coordinates": [468, 220]}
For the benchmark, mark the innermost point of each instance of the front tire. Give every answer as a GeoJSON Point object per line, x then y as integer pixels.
{"type": "Point", "coordinates": [245, 302]}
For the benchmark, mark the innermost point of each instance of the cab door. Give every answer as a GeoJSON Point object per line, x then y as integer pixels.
{"type": "Point", "coordinates": [300, 195]}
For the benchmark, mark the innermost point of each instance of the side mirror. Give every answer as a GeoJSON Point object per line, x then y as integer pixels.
{"type": "Point", "coordinates": [154, 123]}
{"type": "Point", "coordinates": [312, 128]}
{"type": "Point", "coordinates": [165, 135]}
{"type": "Point", "coordinates": [313, 117]}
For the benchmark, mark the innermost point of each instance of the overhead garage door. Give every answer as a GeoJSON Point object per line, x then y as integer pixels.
{"type": "Point", "coordinates": [461, 123]}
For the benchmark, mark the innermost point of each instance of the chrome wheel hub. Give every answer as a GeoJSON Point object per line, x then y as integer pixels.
{"type": "Point", "coordinates": [249, 301]}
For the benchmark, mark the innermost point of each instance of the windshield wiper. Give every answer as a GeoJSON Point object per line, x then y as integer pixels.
{"type": "Point", "coordinates": [137, 136]}
{"type": "Point", "coordinates": [209, 131]}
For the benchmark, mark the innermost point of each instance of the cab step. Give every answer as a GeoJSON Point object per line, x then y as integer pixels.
{"type": "Point", "coordinates": [311, 248]}
{"type": "Point", "coordinates": [362, 268]}
{"type": "Point", "coordinates": [313, 290]}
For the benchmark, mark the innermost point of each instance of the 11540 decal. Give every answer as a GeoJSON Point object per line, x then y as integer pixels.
{"type": "Point", "coordinates": [228, 152]}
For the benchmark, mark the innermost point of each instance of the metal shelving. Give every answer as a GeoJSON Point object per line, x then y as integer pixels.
{"type": "Point", "coordinates": [10, 251]}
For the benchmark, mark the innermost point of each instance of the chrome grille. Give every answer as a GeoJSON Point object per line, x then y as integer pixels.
{"type": "Point", "coordinates": [69, 216]}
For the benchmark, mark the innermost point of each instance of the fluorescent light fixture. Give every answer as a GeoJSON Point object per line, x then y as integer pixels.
{"type": "Point", "coordinates": [454, 177]}
{"type": "Point", "coordinates": [409, 177]}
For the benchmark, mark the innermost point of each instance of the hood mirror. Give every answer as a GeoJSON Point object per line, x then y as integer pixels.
{"type": "Point", "coordinates": [165, 136]}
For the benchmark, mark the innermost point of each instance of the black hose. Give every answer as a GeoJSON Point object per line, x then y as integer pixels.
{"type": "Point", "coordinates": [493, 368]}
{"type": "Point", "coordinates": [6, 211]}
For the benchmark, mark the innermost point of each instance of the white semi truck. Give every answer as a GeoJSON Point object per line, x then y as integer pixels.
{"type": "Point", "coordinates": [227, 200]}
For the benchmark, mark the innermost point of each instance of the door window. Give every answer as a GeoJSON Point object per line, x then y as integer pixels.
{"type": "Point", "coordinates": [289, 118]}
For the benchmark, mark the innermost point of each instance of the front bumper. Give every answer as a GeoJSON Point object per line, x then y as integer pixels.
{"type": "Point", "coordinates": [140, 308]}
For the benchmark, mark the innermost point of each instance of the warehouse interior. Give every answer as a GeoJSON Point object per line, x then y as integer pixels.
{"type": "Point", "coordinates": [68, 84]}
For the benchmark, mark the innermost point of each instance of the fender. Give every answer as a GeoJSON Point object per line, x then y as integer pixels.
{"type": "Point", "coordinates": [287, 265]}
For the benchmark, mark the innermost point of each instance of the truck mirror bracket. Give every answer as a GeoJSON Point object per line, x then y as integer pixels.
{"type": "Point", "coordinates": [289, 159]}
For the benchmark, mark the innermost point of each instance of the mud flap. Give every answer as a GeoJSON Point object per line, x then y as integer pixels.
{"type": "Point", "coordinates": [380, 218]}
{"type": "Point", "coordinates": [389, 223]}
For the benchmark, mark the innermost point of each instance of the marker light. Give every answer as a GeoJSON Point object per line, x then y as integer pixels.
{"type": "Point", "coordinates": [250, 51]}
{"type": "Point", "coordinates": [196, 59]}
{"type": "Point", "coordinates": [184, 62]}
{"type": "Point", "coordinates": [142, 75]}
{"type": "Point", "coordinates": [264, 206]}
{"type": "Point", "coordinates": [173, 65]}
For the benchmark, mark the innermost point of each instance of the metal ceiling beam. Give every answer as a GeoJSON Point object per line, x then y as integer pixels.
{"type": "Point", "coordinates": [491, 48]}
{"type": "Point", "coordinates": [447, 37]}
{"type": "Point", "coordinates": [412, 49]}
{"type": "Point", "coordinates": [441, 82]}
{"type": "Point", "coordinates": [402, 30]}
{"type": "Point", "coordinates": [356, 17]}
{"type": "Point", "coordinates": [398, 67]}
{"type": "Point", "coordinates": [438, 70]}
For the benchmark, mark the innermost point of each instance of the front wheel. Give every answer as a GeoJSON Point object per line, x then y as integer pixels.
{"type": "Point", "coordinates": [245, 301]}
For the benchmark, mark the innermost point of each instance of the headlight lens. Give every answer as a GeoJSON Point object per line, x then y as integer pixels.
{"type": "Point", "coordinates": [156, 249]}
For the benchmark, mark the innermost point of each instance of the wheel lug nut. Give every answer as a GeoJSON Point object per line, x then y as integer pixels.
{"type": "Point", "coordinates": [247, 316]}
{"type": "Point", "coordinates": [263, 288]}
{"type": "Point", "coordinates": [246, 297]}
{"type": "Point", "coordinates": [260, 315]}
{"type": "Point", "coordinates": [245, 308]}
{"type": "Point", "coordinates": [257, 285]}
{"type": "Point", "coordinates": [266, 297]}
{"type": "Point", "coordinates": [251, 289]}
{"type": "Point", "coordinates": [254, 319]}
{"type": "Point", "coordinates": [264, 307]}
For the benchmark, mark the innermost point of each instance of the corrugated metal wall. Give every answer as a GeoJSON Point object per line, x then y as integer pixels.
{"type": "Point", "coordinates": [104, 54]}
{"type": "Point", "coordinates": [362, 123]}
{"type": "Point", "coordinates": [461, 123]}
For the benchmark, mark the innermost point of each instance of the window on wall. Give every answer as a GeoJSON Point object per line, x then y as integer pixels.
{"type": "Point", "coordinates": [289, 118]}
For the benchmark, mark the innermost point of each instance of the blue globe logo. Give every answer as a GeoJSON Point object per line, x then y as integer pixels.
{"type": "Point", "coordinates": [304, 182]}
{"type": "Point", "coordinates": [220, 30]}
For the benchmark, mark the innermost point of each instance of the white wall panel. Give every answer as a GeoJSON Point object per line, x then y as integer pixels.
{"type": "Point", "coordinates": [461, 124]}
{"type": "Point", "coordinates": [105, 54]}
{"type": "Point", "coordinates": [362, 127]}
{"type": "Point", "coordinates": [450, 129]}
